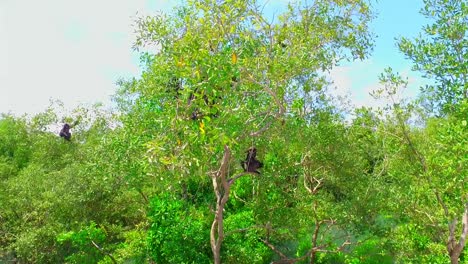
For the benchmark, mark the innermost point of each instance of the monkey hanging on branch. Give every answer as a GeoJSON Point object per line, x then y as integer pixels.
{"type": "Point", "coordinates": [251, 164]}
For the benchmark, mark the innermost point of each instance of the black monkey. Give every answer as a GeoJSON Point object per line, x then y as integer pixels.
{"type": "Point", "coordinates": [251, 164]}
{"type": "Point", "coordinates": [65, 132]}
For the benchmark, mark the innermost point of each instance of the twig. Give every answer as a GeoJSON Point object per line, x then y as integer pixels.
{"type": "Point", "coordinates": [104, 252]}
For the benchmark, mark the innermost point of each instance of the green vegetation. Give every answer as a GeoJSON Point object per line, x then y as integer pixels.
{"type": "Point", "coordinates": [160, 179]}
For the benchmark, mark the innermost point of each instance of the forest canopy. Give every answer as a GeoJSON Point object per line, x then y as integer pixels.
{"type": "Point", "coordinates": [230, 148]}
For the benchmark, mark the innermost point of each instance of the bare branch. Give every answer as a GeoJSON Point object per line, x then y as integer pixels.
{"type": "Point", "coordinates": [319, 183]}
{"type": "Point", "coordinates": [233, 179]}
{"type": "Point", "coordinates": [104, 252]}
{"type": "Point", "coordinates": [272, 247]}
{"type": "Point", "coordinates": [269, 91]}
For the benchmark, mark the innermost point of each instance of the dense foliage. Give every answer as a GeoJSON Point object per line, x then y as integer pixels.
{"type": "Point", "coordinates": [160, 179]}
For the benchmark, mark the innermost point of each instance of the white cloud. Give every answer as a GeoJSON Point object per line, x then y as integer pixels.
{"type": "Point", "coordinates": [353, 81]}
{"type": "Point", "coordinates": [73, 51]}
{"type": "Point", "coordinates": [358, 79]}
{"type": "Point", "coordinates": [341, 80]}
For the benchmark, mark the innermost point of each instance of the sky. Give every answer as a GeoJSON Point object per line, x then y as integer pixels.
{"type": "Point", "coordinates": [395, 19]}
{"type": "Point", "coordinates": [75, 51]}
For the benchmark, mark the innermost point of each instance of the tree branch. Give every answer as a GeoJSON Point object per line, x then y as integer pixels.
{"type": "Point", "coordinates": [104, 252]}
{"type": "Point", "coordinates": [272, 247]}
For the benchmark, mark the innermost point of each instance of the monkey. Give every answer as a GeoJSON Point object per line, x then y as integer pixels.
{"type": "Point", "coordinates": [65, 132]}
{"type": "Point", "coordinates": [251, 164]}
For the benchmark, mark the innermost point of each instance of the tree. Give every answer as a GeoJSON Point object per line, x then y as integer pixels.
{"type": "Point", "coordinates": [430, 161]}
{"type": "Point", "coordinates": [224, 78]}
{"type": "Point", "coordinates": [53, 191]}
{"type": "Point", "coordinates": [441, 52]}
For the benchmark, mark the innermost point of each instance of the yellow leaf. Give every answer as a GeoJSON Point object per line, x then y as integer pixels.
{"type": "Point", "coordinates": [234, 58]}
{"type": "Point", "coordinates": [180, 63]}
{"type": "Point", "coordinates": [202, 127]}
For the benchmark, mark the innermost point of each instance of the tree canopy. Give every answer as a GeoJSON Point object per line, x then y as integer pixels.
{"type": "Point", "coordinates": [230, 148]}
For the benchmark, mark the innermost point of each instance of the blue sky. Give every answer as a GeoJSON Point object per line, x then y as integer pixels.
{"type": "Point", "coordinates": [395, 19]}
{"type": "Point", "coordinates": [75, 51]}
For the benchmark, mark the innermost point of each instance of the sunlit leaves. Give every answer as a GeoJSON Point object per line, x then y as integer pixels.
{"type": "Point", "coordinates": [441, 53]}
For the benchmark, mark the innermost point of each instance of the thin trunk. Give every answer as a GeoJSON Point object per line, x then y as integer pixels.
{"type": "Point", "coordinates": [314, 238]}
{"type": "Point", "coordinates": [222, 190]}
{"type": "Point", "coordinates": [455, 248]}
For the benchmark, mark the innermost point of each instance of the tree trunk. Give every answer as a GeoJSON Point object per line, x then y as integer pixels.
{"type": "Point", "coordinates": [222, 190]}
{"type": "Point", "coordinates": [455, 248]}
